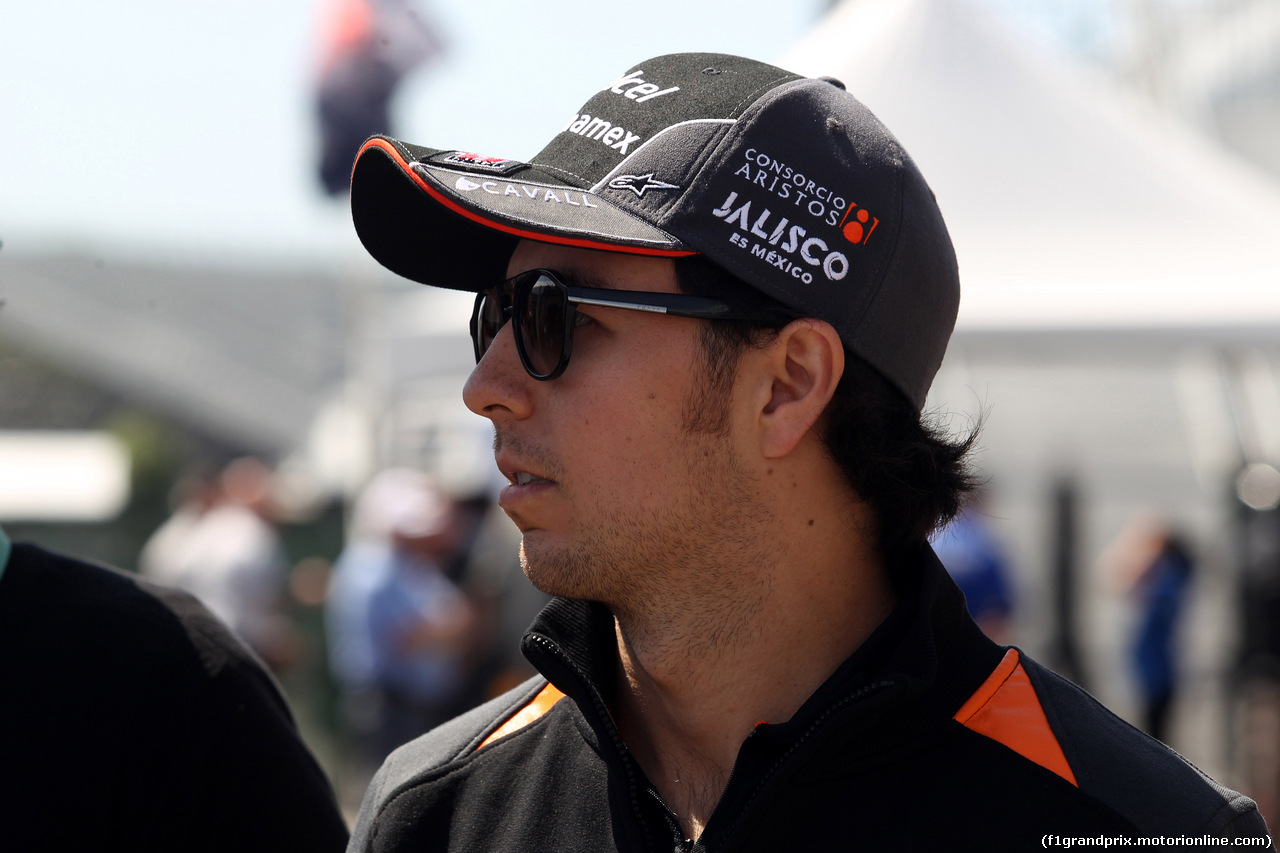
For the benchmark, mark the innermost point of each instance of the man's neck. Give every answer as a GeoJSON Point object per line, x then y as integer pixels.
{"type": "Point", "coordinates": [694, 685]}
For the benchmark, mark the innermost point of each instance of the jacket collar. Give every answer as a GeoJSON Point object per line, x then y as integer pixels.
{"type": "Point", "coordinates": [927, 645]}
{"type": "Point", "coordinates": [912, 673]}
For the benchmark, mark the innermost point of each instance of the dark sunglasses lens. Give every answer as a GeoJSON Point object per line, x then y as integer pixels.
{"type": "Point", "coordinates": [488, 321]}
{"type": "Point", "coordinates": [542, 324]}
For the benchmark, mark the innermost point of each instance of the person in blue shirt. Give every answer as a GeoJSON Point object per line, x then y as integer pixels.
{"type": "Point", "coordinates": [1160, 591]}
{"type": "Point", "coordinates": [977, 563]}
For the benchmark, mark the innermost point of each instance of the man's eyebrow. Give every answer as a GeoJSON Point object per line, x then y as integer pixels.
{"type": "Point", "coordinates": [580, 278]}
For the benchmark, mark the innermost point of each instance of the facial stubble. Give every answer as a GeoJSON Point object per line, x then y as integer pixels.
{"type": "Point", "coordinates": [691, 557]}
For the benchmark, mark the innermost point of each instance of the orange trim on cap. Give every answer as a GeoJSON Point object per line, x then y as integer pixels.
{"type": "Point", "coordinates": [541, 704]}
{"type": "Point", "coordinates": [1006, 709]}
{"type": "Point", "coordinates": [498, 226]}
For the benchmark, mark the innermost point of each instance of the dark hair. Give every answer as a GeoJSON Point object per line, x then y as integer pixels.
{"type": "Point", "coordinates": [898, 460]}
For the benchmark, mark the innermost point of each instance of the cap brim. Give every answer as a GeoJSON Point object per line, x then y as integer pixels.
{"type": "Point", "coordinates": [457, 227]}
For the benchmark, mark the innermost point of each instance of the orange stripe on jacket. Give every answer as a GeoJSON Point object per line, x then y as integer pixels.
{"type": "Point", "coordinates": [1006, 709]}
{"type": "Point", "coordinates": [541, 704]}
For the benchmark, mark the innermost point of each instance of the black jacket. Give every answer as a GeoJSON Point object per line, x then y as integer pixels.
{"type": "Point", "coordinates": [929, 737]}
{"type": "Point", "coordinates": [132, 720]}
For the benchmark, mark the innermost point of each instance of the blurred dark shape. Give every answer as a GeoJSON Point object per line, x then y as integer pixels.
{"type": "Point", "coordinates": [1155, 569]}
{"type": "Point", "coordinates": [494, 578]}
{"type": "Point", "coordinates": [1259, 554]}
{"type": "Point", "coordinates": [131, 719]}
{"type": "Point", "coordinates": [977, 562]}
{"type": "Point", "coordinates": [1257, 681]}
{"type": "Point", "coordinates": [1064, 645]}
{"type": "Point", "coordinates": [369, 46]}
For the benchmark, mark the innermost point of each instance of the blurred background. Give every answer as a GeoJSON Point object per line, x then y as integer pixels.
{"type": "Point", "coordinates": [203, 377]}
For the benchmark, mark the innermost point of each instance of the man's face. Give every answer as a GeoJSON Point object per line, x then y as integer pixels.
{"type": "Point", "coordinates": [626, 500]}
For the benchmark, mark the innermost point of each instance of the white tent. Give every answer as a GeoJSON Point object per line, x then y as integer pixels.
{"type": "Point", "coordinates": [1119, 313]}
{"type": "Point", "coordinates": [1069, 205]}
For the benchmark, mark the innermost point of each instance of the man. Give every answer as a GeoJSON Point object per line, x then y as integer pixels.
{"type": "Point", "coordinates": [753, 647]}
{"type": "Point", "coordinates": [132, 720]}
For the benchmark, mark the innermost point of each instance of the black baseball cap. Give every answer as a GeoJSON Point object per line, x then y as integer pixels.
{"type": "Point", "coordinates": [789, 183]}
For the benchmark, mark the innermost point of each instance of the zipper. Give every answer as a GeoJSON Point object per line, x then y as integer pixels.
{"type": "Point", "coordinates": [856, 696]}
{"type": "Point", "coordinates": [683, 845]}
{"type": "Point", "coordinates": [624, 755]}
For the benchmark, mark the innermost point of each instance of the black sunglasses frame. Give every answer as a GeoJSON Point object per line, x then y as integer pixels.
{"type": "Point", "coordinates": [512, 296]}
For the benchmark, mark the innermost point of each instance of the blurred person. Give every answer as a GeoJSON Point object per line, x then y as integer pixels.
{"type": "Point", "coordinates": [399, 629]}
{"type": "Point", "coordinates": [708, 314]}
{"type": "Point", "coordinates": [1161, 592]}
{"type": "Point", "coordinates": [1157, 576]}
{"type": "Point", "coordinates": [132, 720]}
{"type": "Point", "coordinates": [231, 558]}
{"type": "Point", "coordinates": [369, 46]}
{"type": "Point", "coordinates": [1153, 567]}
{"type": "Point", "coordinates": [168, 548]}
{"type": "Point", "coordinates": [977, 563]}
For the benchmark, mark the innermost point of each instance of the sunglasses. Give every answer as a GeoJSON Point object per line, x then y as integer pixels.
{"type": "Point", "coordinates": [545, 310]}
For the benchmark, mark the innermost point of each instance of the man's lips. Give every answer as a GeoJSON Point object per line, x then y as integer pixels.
{"type": "Point", "coordinates": [519, 473]}
{"type": "Point", "coordinates": [524, 486]}
{"type": "Point", "coordinates": [524, 478]}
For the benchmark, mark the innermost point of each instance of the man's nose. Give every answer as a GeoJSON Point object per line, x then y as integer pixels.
{"type": "Point", "coordinates": [498, 387]}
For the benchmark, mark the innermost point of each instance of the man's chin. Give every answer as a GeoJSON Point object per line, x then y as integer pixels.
{"type": "Point", "coordinates": [555, 571]}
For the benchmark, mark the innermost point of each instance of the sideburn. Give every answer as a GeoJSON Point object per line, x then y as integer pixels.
{"type": "Point", "coordinates": [706, 408]}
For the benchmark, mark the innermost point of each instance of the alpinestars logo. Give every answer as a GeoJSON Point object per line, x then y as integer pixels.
{"type": "Point", "coordinates": [640, 184]}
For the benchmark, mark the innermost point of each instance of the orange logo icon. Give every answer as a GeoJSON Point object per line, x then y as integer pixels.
{"type": "Point", "coordinates": [857, 230]}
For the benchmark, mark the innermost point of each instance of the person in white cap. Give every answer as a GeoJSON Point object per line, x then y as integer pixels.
{"type": "Point", "coordinates": [399, 631]}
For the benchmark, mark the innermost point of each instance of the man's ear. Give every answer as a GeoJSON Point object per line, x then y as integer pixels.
{"type": "Point", "coordinates": [805, 363]}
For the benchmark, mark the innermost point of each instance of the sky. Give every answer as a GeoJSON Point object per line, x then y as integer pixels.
{"type": "Point", "coordinates": [151, 128]}
{"type": "Point", "coordinates": [146, 128]}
